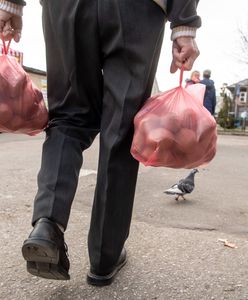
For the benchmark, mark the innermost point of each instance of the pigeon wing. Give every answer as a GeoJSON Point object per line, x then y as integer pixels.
{"type": "Point", "coordinates": [174, 190]}
{"type": "Point", "coordinates": [186, 186]}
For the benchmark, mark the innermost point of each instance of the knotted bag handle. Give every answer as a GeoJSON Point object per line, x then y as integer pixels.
{"type": "Point", "coordinates": [181, 76]}
{"type": "Point", "coordinates": [6, 46]}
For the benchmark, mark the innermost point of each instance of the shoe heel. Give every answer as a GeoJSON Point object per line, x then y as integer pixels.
{"type": "Point", "coordinates": [40, 251]}
{"type": "Point", "coordinates": [46, 270]}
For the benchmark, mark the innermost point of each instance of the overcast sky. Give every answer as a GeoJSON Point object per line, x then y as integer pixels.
{"type": "Point", "coordinates": [218, 41]}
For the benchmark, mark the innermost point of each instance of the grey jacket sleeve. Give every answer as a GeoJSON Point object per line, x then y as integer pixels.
{"type": "Point", "coordinates": [183, 13]}
{"type": "Point", "coordinates": [18, 2]}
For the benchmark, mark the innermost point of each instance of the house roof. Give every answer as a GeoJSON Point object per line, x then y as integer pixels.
{"type": "Point", "coordinates": [34, 71]}
{"type": "Point", "coordinates": [242, 83]}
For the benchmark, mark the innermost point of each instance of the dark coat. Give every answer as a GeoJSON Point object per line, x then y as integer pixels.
{"type": "Point", "coordinates": [179, 13]}
{"type": "Point", "coordinates": [210, 96]}
{"type": "Point", "coordinates": [19, 2]}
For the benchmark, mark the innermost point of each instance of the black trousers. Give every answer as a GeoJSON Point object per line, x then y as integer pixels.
{"type": "Point", "coordinates": [102, 57]}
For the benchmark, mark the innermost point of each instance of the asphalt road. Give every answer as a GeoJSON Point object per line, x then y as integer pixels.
{"type": "Point", "coordinates": [174, 248]}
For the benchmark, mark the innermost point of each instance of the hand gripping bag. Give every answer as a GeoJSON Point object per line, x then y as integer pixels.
{"type": "Point", "coordinates": [22, 107]}
{"type": "Point", "coordinates": [173, 129]}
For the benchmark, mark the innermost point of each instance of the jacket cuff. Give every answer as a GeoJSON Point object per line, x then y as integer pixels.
{"type": "Point", "coordinates": [183, 31]}
{"type": "Point", "coordinates": [12, 8]}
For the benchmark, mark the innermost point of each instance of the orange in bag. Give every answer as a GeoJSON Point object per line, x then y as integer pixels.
{"type": "Point", "coordinates": [179, 133]}
{"type": "Point", "coordinates": [22, 107]}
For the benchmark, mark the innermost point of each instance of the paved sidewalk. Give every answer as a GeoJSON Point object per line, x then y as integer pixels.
{"type": "Point", "coordinates": [165, 263]}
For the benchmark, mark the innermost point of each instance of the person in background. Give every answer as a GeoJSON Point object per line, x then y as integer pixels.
{"type": "Point", "coordinates": [210, 95]}
{"type": "Point", "coordinates": [194, 78]}
{"type": "Point", "coordinates": [102, 57]}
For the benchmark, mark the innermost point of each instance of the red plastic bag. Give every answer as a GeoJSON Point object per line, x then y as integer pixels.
{"type": "Point", "coordinates": [173, 129]}
{"type": "Point", "coordinates": [22, 107]}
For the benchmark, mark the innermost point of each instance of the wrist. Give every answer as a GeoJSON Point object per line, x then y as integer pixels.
{"type": "Point", "coordinates": [183, 31]}
{"type": "Point", "coordinates": [11, 7]}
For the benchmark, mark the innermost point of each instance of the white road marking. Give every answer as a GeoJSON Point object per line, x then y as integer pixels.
{"type": "Point", "coordinates": [86, 172]}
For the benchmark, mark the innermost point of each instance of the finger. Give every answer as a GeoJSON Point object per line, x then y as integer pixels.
{"type": "Point", "coordinates": [182, 57]}
{"type": "Point", "coordinates": [17, 36]}
{"type": "Point", "coordinates": [176, 53]}
{"type": "Point", "coordinates": [7, 27]}
{"type": "Point", "coordinates": [7, 36]}
{"type": "Point", "coordinates": [9, 32]}
{"type": "Point", "coordinates": [17, 25]}
{"type": "Point", "coordinates": [2, 24]}
{"type": "Point", "coordinates": [175, 64]}
{"type": "Point", "coordinates": [188, 52]}
{"type": "Point", "coordinates": [173, 67]}
{"type": "Point", "coordinates": [188, 64]}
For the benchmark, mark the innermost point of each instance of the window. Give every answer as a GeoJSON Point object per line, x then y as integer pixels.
{"type": "Point", "coordinates": [243, 97]}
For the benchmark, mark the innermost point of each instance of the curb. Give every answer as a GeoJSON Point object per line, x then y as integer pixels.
{"type": "Point", "coordinates": [227, 132]}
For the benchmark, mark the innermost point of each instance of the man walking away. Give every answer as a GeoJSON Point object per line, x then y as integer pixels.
{"type": "Point", "coordinates": [210, 96]}
{"type": "Point", "coordinates": [102, 57]}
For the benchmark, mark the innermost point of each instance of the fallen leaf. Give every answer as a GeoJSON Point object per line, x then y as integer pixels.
{"type": "Point", "coordinates": [227, 243]}
{"type": "Point", "coordinates": [230, 245]}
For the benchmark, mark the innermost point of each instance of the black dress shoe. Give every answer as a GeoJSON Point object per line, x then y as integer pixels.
{"type": "Point", "coordinates": [46, 252]}
{"type": "Point", "coordinates": [106, 279]}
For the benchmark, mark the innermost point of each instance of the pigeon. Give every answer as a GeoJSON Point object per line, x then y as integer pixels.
{"type": "Point", "coordinates": [184, 186]}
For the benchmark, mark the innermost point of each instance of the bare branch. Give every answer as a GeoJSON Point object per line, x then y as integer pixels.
{"type": "Point", "coordinates": [242, 56]}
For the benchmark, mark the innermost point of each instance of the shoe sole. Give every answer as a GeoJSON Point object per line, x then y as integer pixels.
{"type": "Point", "coordinates": [42, 259]}
{"type": "Point", "coordinates": [98, 280]}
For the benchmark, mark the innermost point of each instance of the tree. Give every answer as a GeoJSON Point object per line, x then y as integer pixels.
{"type": "Point", "coordinates": [243, 44]}
{"type": "Point", "coordinates": [224, 118]}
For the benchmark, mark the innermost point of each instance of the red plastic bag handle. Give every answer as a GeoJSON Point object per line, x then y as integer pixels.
{"type": "Point", "coordinates": [6, 47]}
{"type": "Point", "coordinates": [181, 76]}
